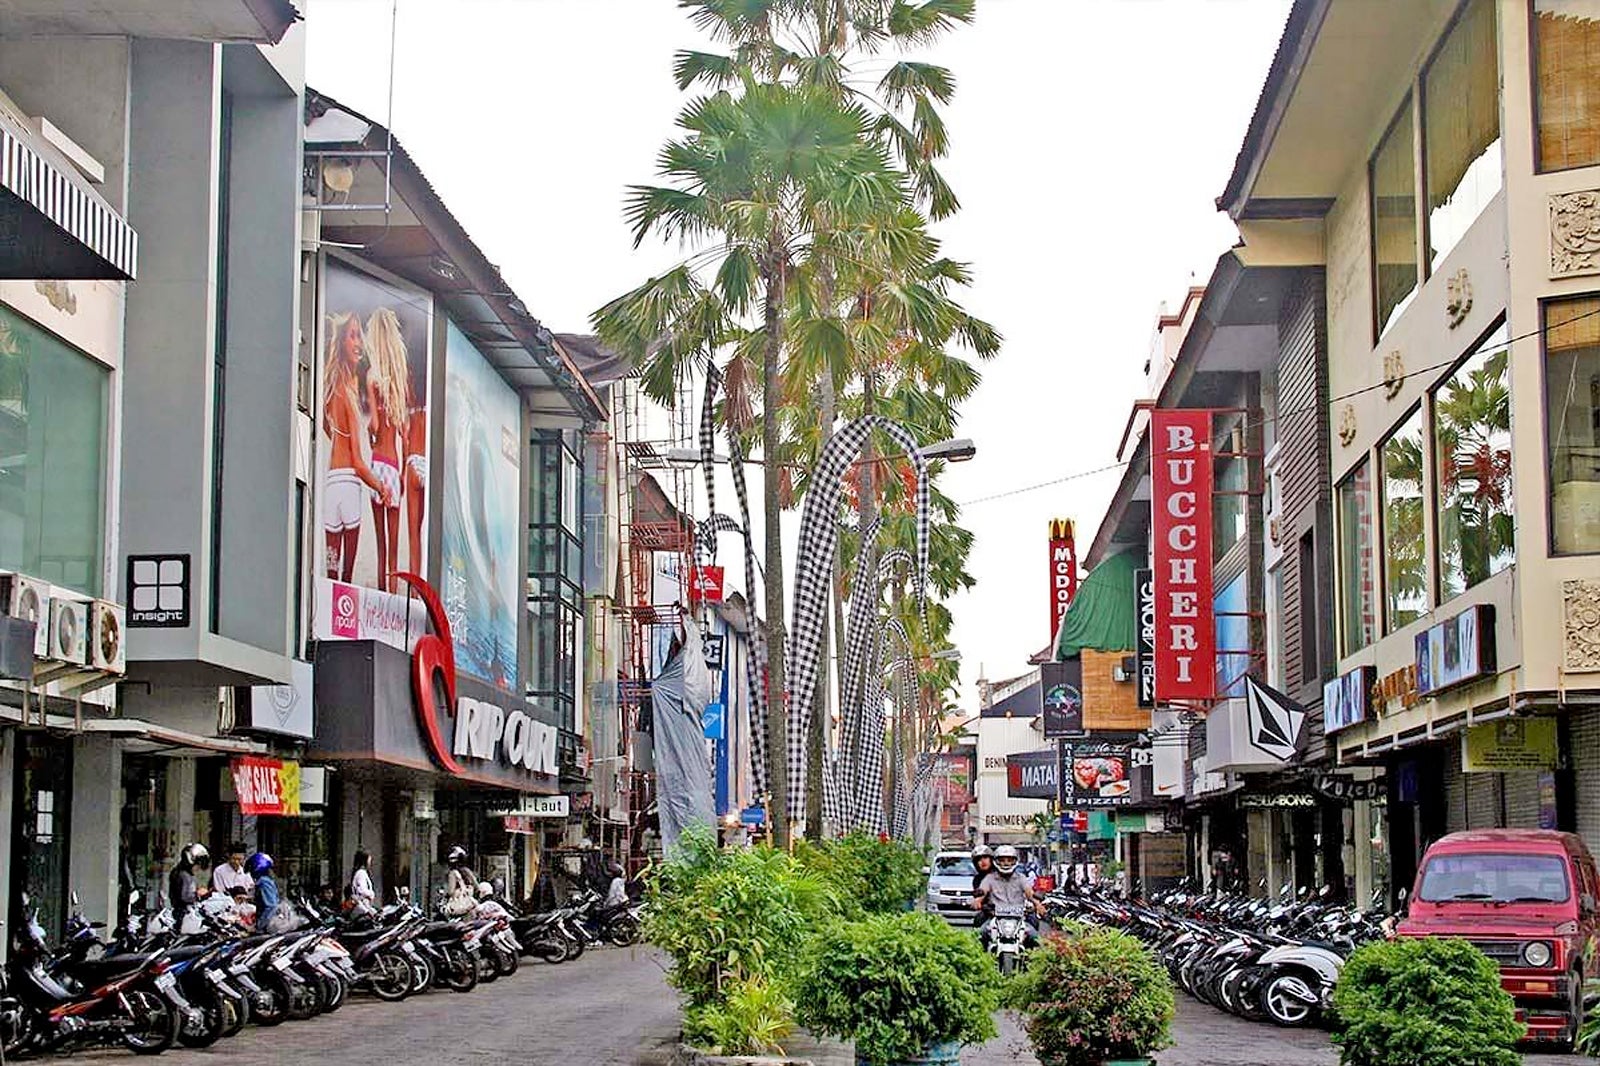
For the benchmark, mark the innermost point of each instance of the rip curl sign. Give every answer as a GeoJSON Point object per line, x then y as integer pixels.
{"type": "Point", "coordinates": [433, 674]}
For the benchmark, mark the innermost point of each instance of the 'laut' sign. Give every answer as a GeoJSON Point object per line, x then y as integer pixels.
{"type": "Point", "coordinates": [1180, 507]}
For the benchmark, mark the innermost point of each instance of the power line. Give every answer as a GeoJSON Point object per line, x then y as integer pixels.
{"type": "Point", "coordinates": [1280, 416]}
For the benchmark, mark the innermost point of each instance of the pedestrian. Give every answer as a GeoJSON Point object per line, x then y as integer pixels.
{"type": "Point", "coordinates": [363, 897]}
{"type": "Point", "coordinates": [230, 878]}
{"type": "Point", "coordinates": [183, 889]}
{"type": "Point", "coordinates": [461, 887]}
{"type": "Point", "coordinates": [617, 890]}
{"type": "Point", "coordinates": [268, 901]}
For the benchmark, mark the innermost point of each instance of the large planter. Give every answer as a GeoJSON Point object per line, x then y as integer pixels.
{"type": "Point", "coordinates": [945, 1054]}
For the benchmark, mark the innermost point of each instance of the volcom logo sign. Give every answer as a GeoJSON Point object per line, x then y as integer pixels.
{"type": "Point", "coordinates": [1276, 722]}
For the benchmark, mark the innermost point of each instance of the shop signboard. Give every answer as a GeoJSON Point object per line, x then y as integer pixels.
{"type": "Point", "coordinates": [483, 446]}
{"type": "Point", "coordinates": [1290, 800]}
{"type": "Point", "coordinates": [350, 612]}
{"type": "Point", "coordinates": [287, 708]}
{"type": "Point", "coordinates": [715, 649]}
{"type": "Point", "coordinates": [1347, 699]}
{"type": "Point", "coordinates": [1063, 571]}
{"type": "Point", "coordinates": [158, 591]}
{"type": "Point", "coordinates": [1061, 693]}
{"type": "Point", "coordinates": [1097, 774]}
{"type": "Point", "coordinates": [1510, 744]}
{"type": "Point", "coordinates": [1181, 486]}
{"type": "Point", "coordinates": [1347, 789]}
{"type": "Point", "coordinates": [714, 722]}
{"type": "Point", "coordinates": [266, 786]}
{"type": "Point", "coordinates": [556, 806]}
{"type": "Point", "coordinates": [1144, 650]}
{"type": "Point", "coordinates": [705, 584]}
{"type": "Point", "coordinates": [1031, 774]}
{"type": "Point", "coordinates": [1455, 651]}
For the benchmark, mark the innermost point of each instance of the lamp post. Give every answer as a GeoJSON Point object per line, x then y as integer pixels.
{"type": "Point", "coordinates": [953, 450]}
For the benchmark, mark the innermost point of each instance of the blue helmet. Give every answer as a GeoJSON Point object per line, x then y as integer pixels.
{"type": "Point", "coordinates": [258, 864]}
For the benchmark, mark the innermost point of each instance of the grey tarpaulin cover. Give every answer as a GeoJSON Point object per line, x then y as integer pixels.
{"type": "Point", "coordinates": [678, 696]}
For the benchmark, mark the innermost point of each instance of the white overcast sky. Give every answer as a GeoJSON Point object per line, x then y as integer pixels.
{"type": "Point", "coordinates": [1089, 139]}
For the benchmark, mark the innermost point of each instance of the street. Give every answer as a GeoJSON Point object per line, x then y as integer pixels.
{"type": "Point", "coordinates": [613, 1008]}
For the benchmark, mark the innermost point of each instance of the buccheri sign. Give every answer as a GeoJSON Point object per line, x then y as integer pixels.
{"type": "Point", "coordinates": [1063, 570]}
{"type": "Point", "coordinates": [1180, 486]}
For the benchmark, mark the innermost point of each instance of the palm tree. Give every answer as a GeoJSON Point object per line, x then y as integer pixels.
{"type": "Point", "coordinates": [757, 176]}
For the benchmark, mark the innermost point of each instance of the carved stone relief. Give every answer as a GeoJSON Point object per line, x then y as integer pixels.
{"type": "Point", "coordinates": [60, 295]}
{"type": "Point", "coordinates": [1575, 233]}
{"type": "Point", "coordinates": [1580, 601]}
{"type": "Point", "coordinates": [1458, 297]}
{"type": "Point", "coordinates": [1394, 374]}
{"type": "Point", "coordinates": [1347, 425]}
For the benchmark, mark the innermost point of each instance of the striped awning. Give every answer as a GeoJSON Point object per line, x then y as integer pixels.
{"type": "Point", "coordinates": [53, 225]}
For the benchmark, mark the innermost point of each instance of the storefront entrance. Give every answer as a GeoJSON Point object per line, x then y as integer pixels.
{"type": "Point", "coordinates": [42, 822]}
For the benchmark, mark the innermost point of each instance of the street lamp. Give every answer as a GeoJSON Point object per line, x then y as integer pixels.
{"type": "Point", "coordinates": [947, 655]}
{"type": "Point", "coordinates": [954, 450]}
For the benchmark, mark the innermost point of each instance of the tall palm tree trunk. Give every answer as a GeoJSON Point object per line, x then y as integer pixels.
{"type": "Point", "coordinates": [777, 684]}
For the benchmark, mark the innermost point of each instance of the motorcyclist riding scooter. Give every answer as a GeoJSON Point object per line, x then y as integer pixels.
{"type": "Point", "coordinates": [982, 863]}
{"type": "Point", "coordinates": [1005, 888]}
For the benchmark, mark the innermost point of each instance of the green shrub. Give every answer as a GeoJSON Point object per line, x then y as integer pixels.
{"type": "Point", "coordinates": [1424, 1002]}
{"type": "Point", "coordinates": [1088, 995]}
{"type": "Point", "coordinates": [729, 916]}
{"type": "Point", "coordinates": [754, 1017]}
{"type": "Point", "coordinates": [867, 875]}
{"type": "Point", "coordinates": [896, 984]}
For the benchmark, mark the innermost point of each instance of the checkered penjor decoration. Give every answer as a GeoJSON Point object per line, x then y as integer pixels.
{"type": "Point", "coordinates": [838, 797]}
{"type": "Point", "coordinates": [755, 686]}
{"type": "Point", "coordinates": [819, 539]}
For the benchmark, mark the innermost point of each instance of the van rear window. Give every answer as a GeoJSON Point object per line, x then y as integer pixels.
{"type": "Point", "coordinates": [952, 865]}
{"type": "Point", "coordinates": [1495, 877]}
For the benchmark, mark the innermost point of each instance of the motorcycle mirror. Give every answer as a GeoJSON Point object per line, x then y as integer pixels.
{"type": "Point", "coordinates": [25, 899]}
{"type": "Point", "coordinates": [75, 898]}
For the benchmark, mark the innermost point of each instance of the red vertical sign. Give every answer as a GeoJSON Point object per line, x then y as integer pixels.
{"type": "Point", "coordinates": [1063, 571]}
{"type": "Point", "coordinates": [1180, 513]}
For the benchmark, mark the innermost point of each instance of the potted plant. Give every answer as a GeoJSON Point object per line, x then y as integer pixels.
{"type": "Point", "coordinates": [1426, 1001]}
{"type": "Point", "coordinates": [1093, 997]}
{"type": "Point", "coordinates": [907, 988]}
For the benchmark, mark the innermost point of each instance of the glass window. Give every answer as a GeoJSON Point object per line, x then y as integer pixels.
{"type": "Point", "coordinates": [1394, 221]}
{"type": "Point", "coordinates": [52, 449]}
{"type": "Point", "coordinates": [1566, 60]}
{"type": "Point", "coordinates": [1572, 418]}
{"type": "Point", "coordinates": [1232, 606]}
{"type": "Point", "coordinates": [1358, 624]}
{"type": "Point", "coordinates": [1405, 584]}
{"type": "Point", "coordinates": [1228, 503]}
{"type": "Point", "coordinates": [1502, 878]}
{"type": "Point", "coordinates": [1461, 127]}
{"type": "Point", "coordinates": [1472, 460]}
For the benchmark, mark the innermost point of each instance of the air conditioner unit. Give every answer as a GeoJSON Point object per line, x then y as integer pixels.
{"type": "Point", "coordinates": [28, 599]}
{"type": "Point", "coordinates": [106, 634]}
{"type": "Point", "coordinates": [69, 631]}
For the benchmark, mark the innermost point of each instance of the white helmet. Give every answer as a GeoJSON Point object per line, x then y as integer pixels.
{"type": "Point", "coordinates": [196, 855]}
{"type": "Point", "coordinates": [485, 890]}
{"type": "Point", "coordinates": [1005, 858]}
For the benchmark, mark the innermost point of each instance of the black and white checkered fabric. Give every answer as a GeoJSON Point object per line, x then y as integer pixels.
{"type": "Point", "coordinates": [819, 539]}
{"type": "Point", "coordinates": [755, 684]}
{"type": "Point", "coordinates": [705, 538]}
{"type": "Point", "coordinates": [892, 560]}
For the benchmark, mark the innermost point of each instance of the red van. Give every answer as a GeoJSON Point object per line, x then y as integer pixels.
{"type": "Point", "coordinates": [1527, 899]}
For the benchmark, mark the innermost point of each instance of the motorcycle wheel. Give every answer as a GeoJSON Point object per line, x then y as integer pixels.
{"type": "Point", "coordinates": [334, 993]}
{"type": "Point", "coordinates": [155, 1021]}
{"type": "Point", "coordinates": [391, 977]}
{"type": "Point", "coordinates": [21, 1026]}
{"type": "Point", "coordinates": [236, 1014]}
{"type": "Point", "coordinates": [554, 950]}
{"type": "Point", "coordinates": [624, 932]}
{"type": "Point", "coordinates": [488, 971]}
{"type": "Point", "coordinates": [272, 1008]}
{"type": "Point", "coordinates": [508, 961]}
{"type": "Point", "coordinates": [575, 945]}
{"type": "Point", "coordinates": [463, 973]}
{"type": "Point", "coordinates": [422, 975]}
{"type": "Point", "coordinates": [1282, 1008]}
{"type": "Point", "coordinates": [215, 1022]}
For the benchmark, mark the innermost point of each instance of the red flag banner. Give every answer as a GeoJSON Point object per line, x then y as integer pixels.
{"type": "Point", "coordinates": [1063, 571]}
{"type": "Point", "coordinates": [1180, 508]}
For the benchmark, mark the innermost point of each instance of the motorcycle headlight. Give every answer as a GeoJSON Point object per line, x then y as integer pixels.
{"type": "Point", "coordinates": [1537, 954]}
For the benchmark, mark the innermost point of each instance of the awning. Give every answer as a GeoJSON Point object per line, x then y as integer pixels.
{"type": "Point", "coordinates": [141, 736]}
{"type": "Point", "coordinates": [53, 225]}
{"type": "Point", "coordinates": [1102, 613]}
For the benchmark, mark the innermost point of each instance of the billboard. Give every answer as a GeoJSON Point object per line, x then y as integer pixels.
{"type": "Point", "coordinates": [481, 572]}
{"type": "Point", "coordinates": [1181, 478]}
{"type": "Point", "coordinates": [1031, 774]}
{"type": "Point", "coordinates": [1144, 652]}
{"type": "Point", "coordinates": [1347, 699]}
{"type": "Point", "coordinates": [1063, 571]}
{"type": "Point", "coordinates": [372, 464]}
{"type": "Point", "coordinates": [1097, 774]}
{"type": "Point", "coordinates": [1455, 651]}
{"type": "Point", "coordinates": [1061, 696]}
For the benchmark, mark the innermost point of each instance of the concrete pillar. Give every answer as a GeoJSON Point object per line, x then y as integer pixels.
{"type": "Point", "coordinates": [96, 845]}
{"type": "Point", "coordinates": [8, 792]}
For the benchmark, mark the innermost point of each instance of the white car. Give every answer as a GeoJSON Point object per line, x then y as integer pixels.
{"type": "Point", "coordinates": [950, 887]}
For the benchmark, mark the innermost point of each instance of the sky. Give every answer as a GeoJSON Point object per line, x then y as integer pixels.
{"type": "Point", "coordinates": [1089, 139]}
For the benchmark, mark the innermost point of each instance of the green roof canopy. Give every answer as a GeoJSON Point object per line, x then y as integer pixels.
{"type": "Point", "coordinates": [1102, 613]}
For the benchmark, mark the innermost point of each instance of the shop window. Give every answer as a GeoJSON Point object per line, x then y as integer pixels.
{"type": "Point", "coordinates": [555, 570]}
{"type": "Point", "coordinates": [1357, 596]}
{"type": "Point", "coordinates": [1228, 499]}
{"type": "Point", "coordinates": [1472, 463]}
{"type": "Point", "coordinates": [1566, 61]}
{"type": "Point", "coordinates": [1461, 127]}
{"type": "Point", "coordinates": [1572, 420]}
{"type": "Point", "coordinates": [1232, 608]}
{"type": "Point", "coordinates": [1393, 183]}
{"type": "Point", "coordinates": [1404, 557]}
{"type": "Point", "coordinates": [52, 451]}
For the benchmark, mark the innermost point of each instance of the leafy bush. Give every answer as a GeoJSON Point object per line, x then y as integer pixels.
{"type": "Point", "coordinates": [1424, 1002]}
{"type": "Point", "coordinates": [727, 917]}
{"type": "Point", "coordinates": [753, 1018]}
{"type": "Point", "coordinates": [896, 984]}
{"type": "Point", "coordinates": [1088, 995]}
{"type": "Point", "coordinates": [868, 875]}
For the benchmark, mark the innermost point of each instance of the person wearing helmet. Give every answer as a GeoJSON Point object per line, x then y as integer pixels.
{"type": "Point", "coordinates": [183, 890]}
{"type": "Point", "coordinates": [461, 885]}
{"type": "Point", "coordinates": [982, 864]}
{"type": "Point", "coordinates": [259, 866]}
{"type": "Point", "coordinates": [616, 888]}
{"type": "Point", "coordinates": [1004, 887]}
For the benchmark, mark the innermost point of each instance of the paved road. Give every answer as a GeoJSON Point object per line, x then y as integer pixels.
{"type": "Point", "coordinates": [613, 1008]}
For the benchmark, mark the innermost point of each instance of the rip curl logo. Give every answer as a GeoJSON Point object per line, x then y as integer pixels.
{"type": "Point", "coordinates": [433, 674]}
{"type": "Point", "coordinates": [346, 612]}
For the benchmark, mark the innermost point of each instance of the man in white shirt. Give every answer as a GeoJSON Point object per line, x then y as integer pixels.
{"type": "Point", "coordinates": [230, 878]}
{"type": "Point", "coordinates": [617, 890]}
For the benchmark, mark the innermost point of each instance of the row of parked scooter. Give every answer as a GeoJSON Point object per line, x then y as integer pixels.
{"type": "Point", "coordinates": [150, 985]}
{"type": "Point", "coordinates": [1262, 959]}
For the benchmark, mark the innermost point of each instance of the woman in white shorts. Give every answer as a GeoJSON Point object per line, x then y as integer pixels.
{"type": "Point", "coordinates": [349, 478]}
{"type": "Point", "coordinates": [388, 383]}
